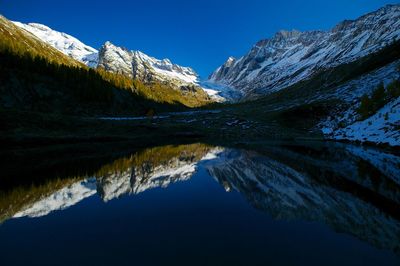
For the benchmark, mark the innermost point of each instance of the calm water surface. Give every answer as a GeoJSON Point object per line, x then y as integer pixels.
{"type": "Point", "coordinates": [197, 204]}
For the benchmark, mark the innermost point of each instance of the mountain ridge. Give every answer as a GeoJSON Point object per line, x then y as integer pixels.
{"type": "Point", "coordinates": [292, 56]}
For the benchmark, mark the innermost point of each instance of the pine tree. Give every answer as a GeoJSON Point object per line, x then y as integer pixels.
{"type": "Point", "coordinates": [386, 116]}
{"type": "Point", "coordinates": [365, 107]}
{"type": "Point", "coordinates": [378, 97]}
{"type": "Point", "coordinates": [393, 89]}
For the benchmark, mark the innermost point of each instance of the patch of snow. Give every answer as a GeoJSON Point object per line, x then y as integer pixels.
{"type": "Point", "coordinates": [382, 127]}
{"type": "Point", "coordinates": [376, 128]}
{"type": "Point", "coordinates": [220, 91]}
{"type": "Point", "coordinates": [63, 42]}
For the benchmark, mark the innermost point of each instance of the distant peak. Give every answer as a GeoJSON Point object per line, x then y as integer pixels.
{"type": "Point", "coordinates": [166, 61]}
{"type": "Point", "coordinates": [231, 59]}
{"type": "Point", "coordinates": [286, 34]}
{"type": "Point", "coordinates": [108, 43]}
{"type": "Point", "coordinates": [390, 6]}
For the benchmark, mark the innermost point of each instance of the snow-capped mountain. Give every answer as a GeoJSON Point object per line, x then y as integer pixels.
{"type": "Point", "coordinates": [138, 65]}
{"type": "Point", "coordinates": [291, 56]}
{"type": "Point", "coordinates": [63, 42]}
{"type": "Point", "coordinates": [134, 64]}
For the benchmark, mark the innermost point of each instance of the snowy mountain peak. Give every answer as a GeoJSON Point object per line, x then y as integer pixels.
{"type": "Point", "coordinates": [230, 60]}
{"type": "Point", "coordinates": [108, 43]}
{"type": "Point", "coordinates": [223, 69]}
{"type": "Point", "coordinates": [141, 66]}
{"type": "Point", "coordinates": [291, 56]}
{"type": "Point", "coordinates": [63, 42]}
{"type": "Point", "coordinates": [115, 59]}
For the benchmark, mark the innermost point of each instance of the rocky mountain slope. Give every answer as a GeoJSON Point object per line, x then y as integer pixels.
{"type": "Point", "coordinates": [138, 65]}
{"type": "Point", "coordinates": [292, 56]}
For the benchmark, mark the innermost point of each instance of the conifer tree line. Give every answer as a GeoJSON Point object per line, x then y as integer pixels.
{"type": "Point", "coordinates": [380, 96]}
{"type": "Point", "coordinates": [86, 83]}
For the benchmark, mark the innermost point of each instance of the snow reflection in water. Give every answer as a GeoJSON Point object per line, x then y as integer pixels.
{"type": "Point", "coordinates": [348, 188]}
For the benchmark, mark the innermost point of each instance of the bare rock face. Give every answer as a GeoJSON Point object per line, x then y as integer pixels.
{"type": "Point", "coordinates": [291, 56]}
{"type": "Point", "coordinates": [138, 65]}
{"type": "Point", "coordinates": [224, 69]}
{"type": "Point", "coordinates": [115, 59]}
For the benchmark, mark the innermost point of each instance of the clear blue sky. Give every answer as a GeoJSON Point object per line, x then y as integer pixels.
{"type": "Point", "coordinates": [200, 34]}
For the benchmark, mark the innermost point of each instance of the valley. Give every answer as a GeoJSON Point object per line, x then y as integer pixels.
{"type": "Point", "coordinates": [321, 104]}
{"type": "Point", "coordinates": [287, 153]}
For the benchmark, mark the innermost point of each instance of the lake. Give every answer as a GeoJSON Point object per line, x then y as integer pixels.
{"type": "Point", "coordinates": [300, 203]}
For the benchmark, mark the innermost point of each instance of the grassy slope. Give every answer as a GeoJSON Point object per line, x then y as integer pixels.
{"type": "Point", "coordinates": [195, 97]}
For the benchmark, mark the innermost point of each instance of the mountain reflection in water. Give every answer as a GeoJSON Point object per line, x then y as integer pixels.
{"type": "Point", "coordinates": [351, 189]}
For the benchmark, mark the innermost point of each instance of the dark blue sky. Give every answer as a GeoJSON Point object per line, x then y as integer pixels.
{"type": "Point", "coordinates": [200, 34]}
